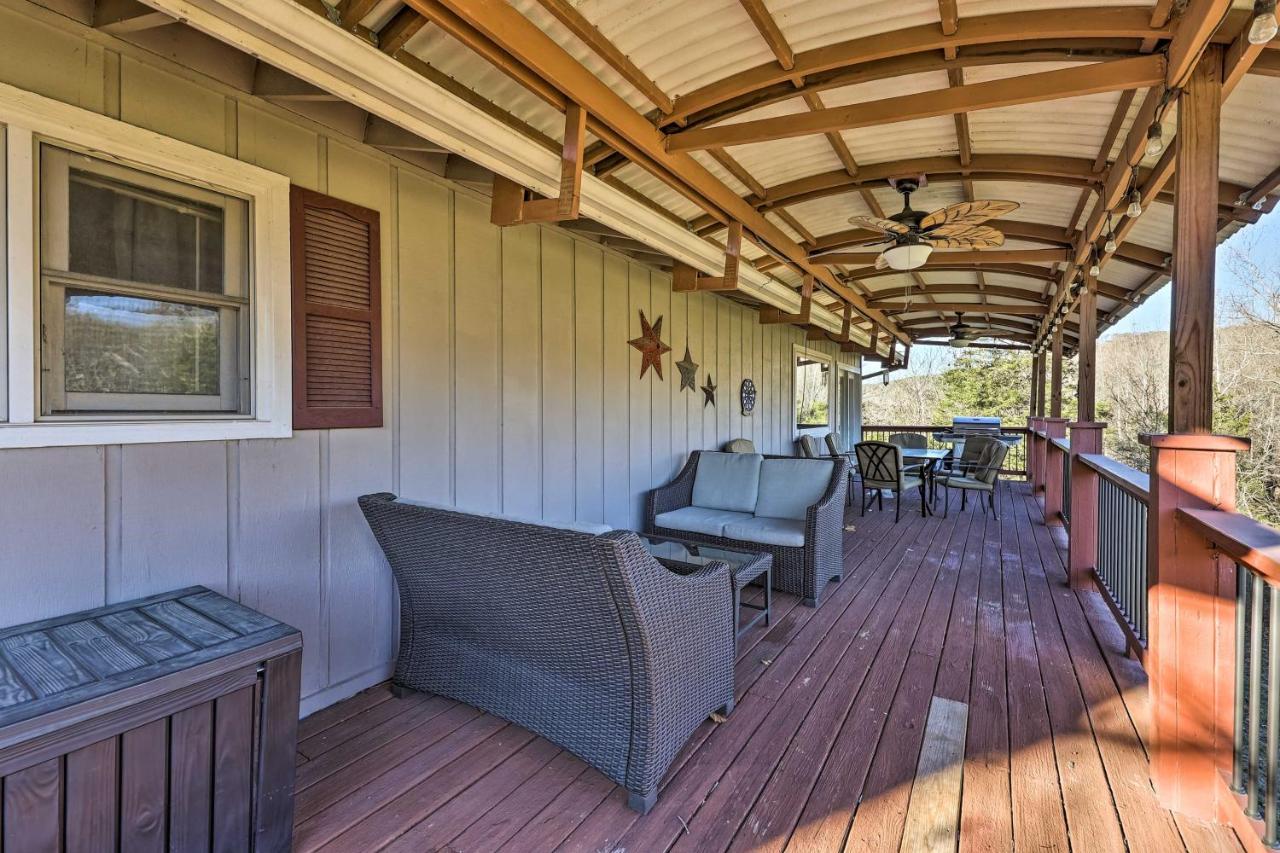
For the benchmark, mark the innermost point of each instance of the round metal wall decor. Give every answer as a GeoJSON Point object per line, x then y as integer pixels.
{"type": "Point", "coordinates": [748, 395]}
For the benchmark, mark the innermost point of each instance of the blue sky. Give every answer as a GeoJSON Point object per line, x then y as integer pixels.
{"type": "Point", "coordinates": [1260, 241]}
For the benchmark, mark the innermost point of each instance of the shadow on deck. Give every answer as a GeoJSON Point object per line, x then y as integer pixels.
{"type": "Point", "coordinates": [951, 684]}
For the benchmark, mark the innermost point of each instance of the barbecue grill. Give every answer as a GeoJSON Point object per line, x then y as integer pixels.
{"type": "Point", "coordinates": [968, 427]}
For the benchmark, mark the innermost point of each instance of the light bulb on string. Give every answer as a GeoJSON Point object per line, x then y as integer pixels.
{"type": "Point", "coordinates": [1264, 26]}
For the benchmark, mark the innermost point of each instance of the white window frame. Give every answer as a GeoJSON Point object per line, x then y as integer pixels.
{"type": "Point", "coordinates": [27, 120]}
{"type": "Point", "coordinates": [798, 352]}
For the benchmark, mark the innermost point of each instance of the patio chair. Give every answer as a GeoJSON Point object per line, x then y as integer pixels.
{"type": "Point", "coordinates": [740, 445]}
{"type": "Point", "coordinates": [913, 440]}
{"type": "Point", "coordinates": [881, 466]}
{"type": "Point", "coordinates": [978, 471]}
{"type": "Point", "coordinates": [808, 447]}
{"type": "Point", "coordinates": [575, 632]}
{"type": "Point", "coordinates": [835, 445]}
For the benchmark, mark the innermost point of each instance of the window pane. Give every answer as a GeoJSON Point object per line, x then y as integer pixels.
{"type": "Point", "coordinates": [813, 393]}
{"type": "Point", "coordinates": [132, 233]}
{"type": "Point", "coordinates": [130, 345]}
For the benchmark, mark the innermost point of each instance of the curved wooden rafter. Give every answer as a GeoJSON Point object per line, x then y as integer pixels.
{"type": "Point", "coordinates": [1004, 53]}
{"type": "Point", "coordinates": [1007, 28]}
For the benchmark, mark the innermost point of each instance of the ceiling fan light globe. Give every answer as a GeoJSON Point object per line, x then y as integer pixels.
{"type": "Point", "coordinates": [960, 343]}
{"type": "Point", "coordinates": [907, 256]}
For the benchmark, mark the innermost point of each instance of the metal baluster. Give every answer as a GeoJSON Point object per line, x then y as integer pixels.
{"type": "Point", "coordinates": [1273, 714]}
{"type": "Point", "coordinates": [1242, 637]}
{"type": "Point", "coordinates": [1255, 690]}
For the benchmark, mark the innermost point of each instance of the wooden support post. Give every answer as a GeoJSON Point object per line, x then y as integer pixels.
{"type": "Point", "coordinates": [686, 279]}
{"type": "Point", "coordinates": [510, 207]}
{"type": "Point", "coordinates": [1055, 377]}
{"type": "Point", "coordinates": [1051, 461]}
{"type": "Point", "coordinates": [770, 315]}
{"type": "Point", "coordinates": [1195, 227]}
{"type": "Point", "coordinates": [1040, 387]}
{"type": "Point", "coordinates": [1087, 354]}
{"type": "Point", "coordinates": [1082, 545]}
{"type": "Point", "coordinates": [1036, 375]}
{"type": "Point", "coordinates": [1191, 624]}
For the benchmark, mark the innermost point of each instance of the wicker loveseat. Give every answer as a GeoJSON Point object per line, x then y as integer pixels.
{"type": "Point", "coordinates": [578, 635]}
{"type": "Point", "coordinates": [789, 507]}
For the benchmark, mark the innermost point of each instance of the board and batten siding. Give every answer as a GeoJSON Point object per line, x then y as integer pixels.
{"type": "Point", "coordinates": [508, 383]}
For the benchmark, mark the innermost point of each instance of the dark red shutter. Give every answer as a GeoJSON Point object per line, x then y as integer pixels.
{"type": "Point", "coordinates": [337, 319]}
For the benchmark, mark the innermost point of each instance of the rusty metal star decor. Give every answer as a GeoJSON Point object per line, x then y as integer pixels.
{"type": "Point", "coordinates": [688, 371]}
{"type": "Point", "coordinates": [650, 345]}
{"type": "Point", "coordinates": [709, 390]}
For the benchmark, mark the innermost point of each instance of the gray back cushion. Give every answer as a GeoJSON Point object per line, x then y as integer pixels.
{"type": "Point", "coordinates": [788, 487]}
{"type": "Point", "coordinates": [727, 481]}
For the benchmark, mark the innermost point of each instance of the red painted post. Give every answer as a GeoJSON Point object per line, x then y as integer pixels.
{"type": "Point", "coordinates": [1034, 425]}
{"type": "Point", "coordinates": [1191, 632]}
{"type": "Point", "coordinates": [1082, 545]}
{"type": "Point", "coordinates": [1052, 462]}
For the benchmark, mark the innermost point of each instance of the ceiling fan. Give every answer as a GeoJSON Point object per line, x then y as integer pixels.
{"type": "Point", "coordinates": [962, 334]}
{"type": "Point", "coordinates": [912, 235]}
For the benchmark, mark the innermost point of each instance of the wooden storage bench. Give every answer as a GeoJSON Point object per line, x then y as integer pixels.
{"type": "Point", "coordinates": [165, 723]}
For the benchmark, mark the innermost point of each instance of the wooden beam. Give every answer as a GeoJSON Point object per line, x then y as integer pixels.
{"type": "Point", "coordinates": [1087, 353]}
{"type": "Point", "coordinates": [1055, 376]}
{"type": "Point", "coordinates": [882, 298]}
{"type": "Point", "coordinates": [768, 29]}
{"type": "Point", "coordinates": [127, 16]}
{"type": "Point", "coordinates": [941, 258]}
{"type": "Point", "coordinates": [1026, 89]}
{"type": "Point", "coordinates": [403, 26]}
{"type": "Point", "coordinates": [509, 204]}
{"type": "Point", "coordinates": [355, 11]}
{"type": "Point", "coordinates": [686, 279]}
{"type": "Point", "coordinates": [606, 50]}
{"type": "Point", "coordinates": [528, 45]}
{"type": "Point", "coordinates": [1195, 243]}
{"type": "Point", "coordinates": [1030, 271]}
{"type": "Point", "coordinates": [1196, 26]}
{"type": "Point", "coordinates": [774, 316]}
{"type": "Point", "coordinates": [1041, 25]}
{"type": "Point", "coordinates": [733, 167]}
{"type": "Point", "coordinates": [964, 307]}
{"type": "Point", "coordinates": [948, 16]}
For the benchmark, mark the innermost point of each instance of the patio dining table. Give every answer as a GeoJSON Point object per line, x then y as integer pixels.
{"type": "Point", "coordinates": [927, 459]}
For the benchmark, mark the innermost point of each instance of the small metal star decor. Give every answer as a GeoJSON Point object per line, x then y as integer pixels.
{"type": "Point", "coordinates": [650, 345]}
{"type": "Point", "coordinates": [688, 371]}
{"type": "Point", "coordinates": [709, 391]}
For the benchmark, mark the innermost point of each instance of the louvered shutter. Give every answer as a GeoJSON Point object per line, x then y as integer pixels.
{"type": "Point", "coordinates": [337, 319]}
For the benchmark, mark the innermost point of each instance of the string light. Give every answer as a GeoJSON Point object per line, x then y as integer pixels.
{"type": "Point", "coordinates": [1095, 270]}
{"type": "Point", "coordinates": [1110, 246]}
{"type": "Point", "coordinates": [1264, 26]}
{"type": "Point", "coordinates": [1134, 210]}
{"type": "Point", "coordinates": [1155, 142]}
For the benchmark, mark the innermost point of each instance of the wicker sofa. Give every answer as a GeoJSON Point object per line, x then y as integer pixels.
{"type": "Point", "coordinates": [789, 507]}
{"type": "Point", "coordinates": [578, 635]}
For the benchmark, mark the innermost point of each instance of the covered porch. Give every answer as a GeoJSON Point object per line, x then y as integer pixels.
{"type": "Point", "coordinates": [558, 278]}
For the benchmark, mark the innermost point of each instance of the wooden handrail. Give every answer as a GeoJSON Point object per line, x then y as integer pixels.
{"type": "Point", "coordinates": [929, 428]}
{"type": "Point", "coordinates": [1061, 443]}
{"type": "Point", "coordinates": [1248, 542]}
{"type": "Point", "coordinates": [1129, 479]}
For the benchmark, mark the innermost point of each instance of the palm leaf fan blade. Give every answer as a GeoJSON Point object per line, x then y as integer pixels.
{"type": "Point", "coordinates": [968, 212]}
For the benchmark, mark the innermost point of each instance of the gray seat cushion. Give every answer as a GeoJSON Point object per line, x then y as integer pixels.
{"type": "Point", "coordinates": [697, 519]}
{"type": "Point", "coordinates": [909, 481]}
{"type": "Point", "coordinates": [788, 487]}
{"type": "Point", "coordinates": [967, 483]}
{"type": "Point", "coordinates": [727, 481]}
{"type": "Point", "coordinates": [788, 532]}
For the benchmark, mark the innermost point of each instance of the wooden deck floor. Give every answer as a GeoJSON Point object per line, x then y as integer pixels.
{"type": "Point", "coordinates": [952, 683]}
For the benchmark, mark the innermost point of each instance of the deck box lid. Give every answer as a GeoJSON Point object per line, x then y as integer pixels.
{"type": "Point", "coordinates": [82, 661]}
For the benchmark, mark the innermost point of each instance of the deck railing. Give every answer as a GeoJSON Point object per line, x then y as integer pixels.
{"type": "Point", "coordinates": [1063, 453]}
{"type": "Point", "coordinates": [1120, 568]}
{"type": "Point", "coordinates": [1015, 462]}
{"type": "Point", "coordinates": [1253, 765]}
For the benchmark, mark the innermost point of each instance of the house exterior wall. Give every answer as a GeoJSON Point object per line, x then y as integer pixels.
{"type": "Point", "coordinates": [508, 384]}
